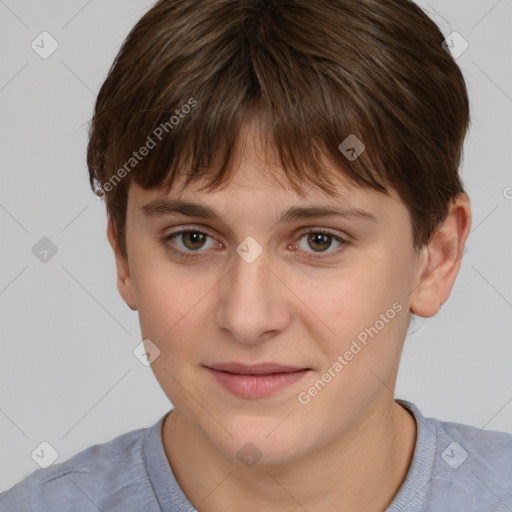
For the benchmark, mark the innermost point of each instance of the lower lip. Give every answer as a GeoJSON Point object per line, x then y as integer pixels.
{"type": "Point", "coordinates": [256, 386]}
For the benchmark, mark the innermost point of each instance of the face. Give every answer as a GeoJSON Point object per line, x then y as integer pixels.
{"type": "Point", "coordinates": [254, 275]}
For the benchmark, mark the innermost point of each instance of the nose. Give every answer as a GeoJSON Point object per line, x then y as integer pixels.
{"type": "Point", "coordinates": [253, 305]}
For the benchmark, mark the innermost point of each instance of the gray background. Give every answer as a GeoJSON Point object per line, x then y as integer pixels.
{"type": "Point", "coordinates": [67, 372]}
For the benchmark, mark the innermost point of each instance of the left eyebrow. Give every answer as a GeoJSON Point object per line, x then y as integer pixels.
{"type": "Point", "coordinates": [317, 212]}
{"type": "Point", "coordinates": [162, 207]}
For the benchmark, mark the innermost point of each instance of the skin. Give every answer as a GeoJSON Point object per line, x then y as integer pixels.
{"type": "Point", "coordinates": [351, 446]}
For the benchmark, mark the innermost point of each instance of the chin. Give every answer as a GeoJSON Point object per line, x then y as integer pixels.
{"type": "Point", "coordinates": [259, 442]}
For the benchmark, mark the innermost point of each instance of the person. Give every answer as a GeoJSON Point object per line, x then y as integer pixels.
{"type": "Point", "coordinates": [283, 194]}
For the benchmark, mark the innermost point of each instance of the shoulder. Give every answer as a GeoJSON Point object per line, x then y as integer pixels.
{"type": "Point", "coordinates": [103, 476]}
{"type": "Point", "coordinates": [478, 449]}
{"type": "Point", "coordinates": [471, 466]}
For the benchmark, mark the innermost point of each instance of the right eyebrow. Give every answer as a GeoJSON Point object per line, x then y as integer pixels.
{"type": "Point", "coordinates": [161, 207]}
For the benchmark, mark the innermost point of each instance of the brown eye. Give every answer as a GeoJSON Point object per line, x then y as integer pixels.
{"type": "Point", "coordinates": [189, 243]}
{"type": "Point", "coordinates": [193, 240]}
{"type": "Point", "coordinates": [319, 242]}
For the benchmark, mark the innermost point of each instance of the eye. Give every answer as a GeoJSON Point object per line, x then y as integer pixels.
{"type": "Point", "coordinates": [188, 241]}
{"type": "Point", "coordinates": [319, 241]}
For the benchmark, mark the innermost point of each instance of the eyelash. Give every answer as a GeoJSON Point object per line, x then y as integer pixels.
{"type": "Point", "coordinates": [197, 254]}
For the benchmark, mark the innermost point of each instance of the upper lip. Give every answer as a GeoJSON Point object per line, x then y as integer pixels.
{"type": "Point", "coordinates": [255, 369]}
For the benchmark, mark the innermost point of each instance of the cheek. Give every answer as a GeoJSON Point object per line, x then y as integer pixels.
{"type": "Point", "coordinates": [356, 296]}
{"type": "Point", "coordinates": [168, 314]}
{"type": "Point", "coordinates": [171, 305]}
{"type": "Point", "coordinates": [156, 290]}
{"type": "Point", "coordinates": [365, 308]}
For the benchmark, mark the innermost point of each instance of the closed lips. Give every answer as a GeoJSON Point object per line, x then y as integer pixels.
{"type": "Point", "coordinates": [256, 381]}
{"type": "Point", "coordinates": [256, 369]}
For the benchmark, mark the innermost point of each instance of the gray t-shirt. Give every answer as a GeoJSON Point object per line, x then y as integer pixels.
{"type": "Point", "coordinates": [455, 467]}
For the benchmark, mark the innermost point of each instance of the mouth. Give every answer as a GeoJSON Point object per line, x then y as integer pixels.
{"type": "Point", "coordinates": [256, 381]}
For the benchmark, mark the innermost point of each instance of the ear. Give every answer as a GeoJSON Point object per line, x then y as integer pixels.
{"type": "Point", "coordinates": [440, 259]}
{"type": "Point", "coordinates": [124, 280]}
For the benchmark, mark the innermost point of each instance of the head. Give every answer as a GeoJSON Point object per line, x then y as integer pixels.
{"type": "Point", "coordinates": [254, 109]}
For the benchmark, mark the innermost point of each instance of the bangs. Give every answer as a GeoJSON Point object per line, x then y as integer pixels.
{"type": "Point", "coordinates": [195, 137]}
{"type": "Point", "coordinates": [351, 84]}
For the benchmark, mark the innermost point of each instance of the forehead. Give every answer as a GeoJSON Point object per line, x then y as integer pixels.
{"type": "Point", "coordinates": [251, 196]}
{"type": "Point", "coordinates": [258, 182]}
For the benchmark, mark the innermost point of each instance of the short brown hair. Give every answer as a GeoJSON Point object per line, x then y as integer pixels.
{"type": "Point", "coordinates": [315, 71]}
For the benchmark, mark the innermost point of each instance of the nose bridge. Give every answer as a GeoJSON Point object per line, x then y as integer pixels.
{"type": "Point", "coordinates": [250, 306]}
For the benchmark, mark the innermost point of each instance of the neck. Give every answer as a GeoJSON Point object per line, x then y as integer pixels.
{"type": "Point", "coordinates": [362, 469]}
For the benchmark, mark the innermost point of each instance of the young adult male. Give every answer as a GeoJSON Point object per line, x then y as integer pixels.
{"type": "Point", "coordinates": [282, 188]}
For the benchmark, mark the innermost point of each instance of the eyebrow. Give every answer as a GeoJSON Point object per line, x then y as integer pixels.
{"type": "Point", "coordinates": [163, 207]}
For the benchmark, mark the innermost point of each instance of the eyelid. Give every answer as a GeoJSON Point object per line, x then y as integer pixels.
{"type": "Point", "coordinates": [184, 228]}
{"type": "Point", "coordinates": [328, 231]}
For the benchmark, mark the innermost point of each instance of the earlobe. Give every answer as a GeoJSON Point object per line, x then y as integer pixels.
{"type": "Point", "coordinates": [440, 260]}
{"type": "Point", "coordinates": [124, 280]}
